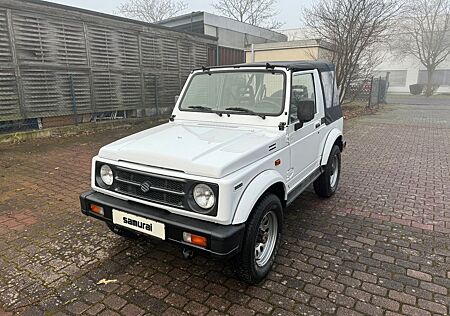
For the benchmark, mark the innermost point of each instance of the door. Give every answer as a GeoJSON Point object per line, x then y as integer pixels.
{"type": "Point", "coordinates": [304, 137]}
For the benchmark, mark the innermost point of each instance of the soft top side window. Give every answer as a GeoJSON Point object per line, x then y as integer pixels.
{"type": "Point", "coordinates": [302, 90]}
{"type": "Point", "coordinates": [330, 89]}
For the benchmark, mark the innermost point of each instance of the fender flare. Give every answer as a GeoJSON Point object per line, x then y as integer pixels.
{"type": "Point", "coordinates": [331, 139]}
{"type": "Point", "coordinates": [254, 191]}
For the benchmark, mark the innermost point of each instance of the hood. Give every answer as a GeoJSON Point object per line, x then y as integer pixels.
{"type": "Point", "coordinates": [197, 149]}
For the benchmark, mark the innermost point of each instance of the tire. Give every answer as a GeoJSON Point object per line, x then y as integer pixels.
{"type": "Point", "coordinates": [326, 185]}
{"type": "Point", "coordinates": [121, 231]}
{"type": "Point", "coordinates": [253, 265]}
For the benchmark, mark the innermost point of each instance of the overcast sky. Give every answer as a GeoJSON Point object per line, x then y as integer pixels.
{"type": "Point", "coordinates": [289, 9]}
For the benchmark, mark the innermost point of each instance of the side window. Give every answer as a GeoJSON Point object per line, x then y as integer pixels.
{"type": "Point", "coordinates": [302, 90]}
{"type": "Point", "coordinates": [330, 89]}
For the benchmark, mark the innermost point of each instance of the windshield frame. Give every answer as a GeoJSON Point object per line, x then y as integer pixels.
{"type": "Point", "coordinates": [226, 112]}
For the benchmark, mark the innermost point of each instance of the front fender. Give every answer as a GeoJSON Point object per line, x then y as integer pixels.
{"type": "Point", "coordinates": [254, 191]}
{"type": "Point", "coordinates": [331, 139]}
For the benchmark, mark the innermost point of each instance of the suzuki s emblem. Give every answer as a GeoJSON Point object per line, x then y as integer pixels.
{"type": "Point", "coordinates": [145, 187]}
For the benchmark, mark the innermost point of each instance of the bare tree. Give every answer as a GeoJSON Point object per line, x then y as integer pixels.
{"type": "Point", "coordinates": [425, 35]}
{"type": "Point", "coordinates": [151, 11]}
{"type": "Point", "coordinates": [356, 28]}
{"type": "Point", "coordinates": [255, 12]}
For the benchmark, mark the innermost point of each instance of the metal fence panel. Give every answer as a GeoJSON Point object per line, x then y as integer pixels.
{"type": "Point", "coordinates": [55, 62]}
{"type": "Point", "coordinates": [5, 51]}
{"type": "Point", "coordinates": [9, 101]}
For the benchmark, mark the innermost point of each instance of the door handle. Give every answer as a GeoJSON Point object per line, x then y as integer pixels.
{"type": "Point", "coordinates": [317, 125]}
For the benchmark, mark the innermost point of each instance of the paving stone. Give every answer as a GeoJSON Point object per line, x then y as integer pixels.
{"type": "Point", "coordinates": [132, 310]}
{"type": "Point", "coordinates": [323, 305]}
{"type": "Point", "coordinates": [434, 288]}
{"type": "Point", "coordinates": [114, 302]}
{"type": "Point", "coordinates": [433, 307]}
{"type": "Point", "coordinates": [342, 311]}
{"type": "Point", "coordinates": [368, 309]}
{"type": "Point", "coordinates": [77, 308]}
{"type": "Point", "coordinates": [218, 303]}
{"type": "Point", "coordinates": [176, 300]}
{"type": "Point", "coordinates": [358, 294]}
{"type": "Point", "coordinates": [95, 309]}
{"type": "Point", "coordinates": [374, 289]}
{"type": "Point", "coordinates": [402, 297]}
{"type": "Point", "coordinates": [260, 306]}
{"type": "Point", "coordinates": [385, 303]}
{"type": "Point", "coordinates": [238, 310]}
{"type": "Point", "coordinates": [196, 309]}
{"type": "Point", "coordinates": [419, 275]}
{"type": "Point", "coordinates": [414, 311]}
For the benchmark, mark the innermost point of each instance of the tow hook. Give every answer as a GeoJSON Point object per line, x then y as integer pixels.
{"type": "Point", "coordinates": [188, 253]}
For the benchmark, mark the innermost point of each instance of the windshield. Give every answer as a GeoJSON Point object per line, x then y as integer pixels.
{"type": "Point", "coordinates": [245, 92]}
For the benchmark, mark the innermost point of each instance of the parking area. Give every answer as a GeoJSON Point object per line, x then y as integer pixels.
{"type": "Point", "coordinates": [380, 246]}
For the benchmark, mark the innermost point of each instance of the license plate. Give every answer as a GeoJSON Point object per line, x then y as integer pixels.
{"type": "Point", "coordinates": [140, 224]}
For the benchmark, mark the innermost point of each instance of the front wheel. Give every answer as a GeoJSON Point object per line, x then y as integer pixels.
{"type": "Point", "coordinates": [261, 241]}
{"type": "Point", "coordinates": [326, 185]}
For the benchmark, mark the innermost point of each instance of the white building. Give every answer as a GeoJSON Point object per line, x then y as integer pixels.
{"type": "Point", "coordinates": [403, 72]}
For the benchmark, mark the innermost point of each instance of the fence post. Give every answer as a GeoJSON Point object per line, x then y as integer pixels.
{"type": "Point", "coordinates": [74, 99]}
{"type": "Point", "coordinates": [92, 92]}
{"type": "Point", "coordinates": [370, 93]}
{"type": "Point", "coordinates": [379, 91]}
{"type": "Point", "coordinates": [156, 95]}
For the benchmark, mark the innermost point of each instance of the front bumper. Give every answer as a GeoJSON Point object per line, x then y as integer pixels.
{"type": "Point", "coordinates": [223, 240]}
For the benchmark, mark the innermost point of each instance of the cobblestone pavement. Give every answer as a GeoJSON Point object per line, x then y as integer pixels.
{"type": "Point", "coordinates": [380, 246]}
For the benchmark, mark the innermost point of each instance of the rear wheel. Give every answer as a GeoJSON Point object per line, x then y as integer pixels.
{"type": "Point", "coordinates": [326, 185]}
{"type": "Point", "coordinates": [261, 240]}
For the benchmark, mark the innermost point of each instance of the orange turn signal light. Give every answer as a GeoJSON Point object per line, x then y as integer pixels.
{"type": "Point", "coordinates": [97, 209]}
{"type": "Point", "coordinates": [195, 239]}
{"type": "Point", "coordinates": [277, 162]}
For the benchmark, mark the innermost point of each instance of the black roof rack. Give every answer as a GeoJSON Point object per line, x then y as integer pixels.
{"type": "Point", "coordinates": [290, 65]}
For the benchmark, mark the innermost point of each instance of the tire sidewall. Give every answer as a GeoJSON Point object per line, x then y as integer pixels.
{"type": "Point", "coordinates": [335, 151]}
{"type": "Point", "coordinates": [269, 203]}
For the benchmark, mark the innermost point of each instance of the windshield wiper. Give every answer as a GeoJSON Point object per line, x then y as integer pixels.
{"type": "Point", "coordinates": [204, 109]}
{"type": "Point", "coordinates": [239, 109]}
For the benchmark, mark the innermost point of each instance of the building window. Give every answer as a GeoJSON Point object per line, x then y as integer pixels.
{"type": "Point", "coordinates": [440, 77]}
{"type": "Point", "coordinates": [397, 78]}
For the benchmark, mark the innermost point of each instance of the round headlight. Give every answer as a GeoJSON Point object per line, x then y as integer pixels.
{"type": "Point", "coordinates": [204, 196]}
{"type": "Point", "coordinates": [106, 174]}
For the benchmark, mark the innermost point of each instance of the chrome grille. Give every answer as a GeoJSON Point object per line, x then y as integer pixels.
{"type": "Point", "coordinates": [150, 187]}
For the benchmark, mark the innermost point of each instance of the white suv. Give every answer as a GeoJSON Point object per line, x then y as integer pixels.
{"type": "Point", "coordinates": [242, 143]}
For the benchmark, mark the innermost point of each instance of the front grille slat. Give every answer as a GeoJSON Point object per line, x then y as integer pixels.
{"type": "Point", "coordinates": [161, 189]}
{"type": "Point", "coordinates": [152, 188]}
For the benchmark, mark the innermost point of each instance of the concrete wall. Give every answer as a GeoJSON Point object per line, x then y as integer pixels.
{"type": "Point", "coordinates": [261, 35]}
{"type": "Point", "coordinates": [230, 33]}
{"type": "Point", "coordinates": [234, 39]}
{"type": "Point", "coordinates": [288, 51]}
{"type": "Point", "coordinates": [289, 54]}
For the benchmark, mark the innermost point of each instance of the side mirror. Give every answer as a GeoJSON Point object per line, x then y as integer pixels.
{"type": "Point", "coordinates": [306, 110]}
